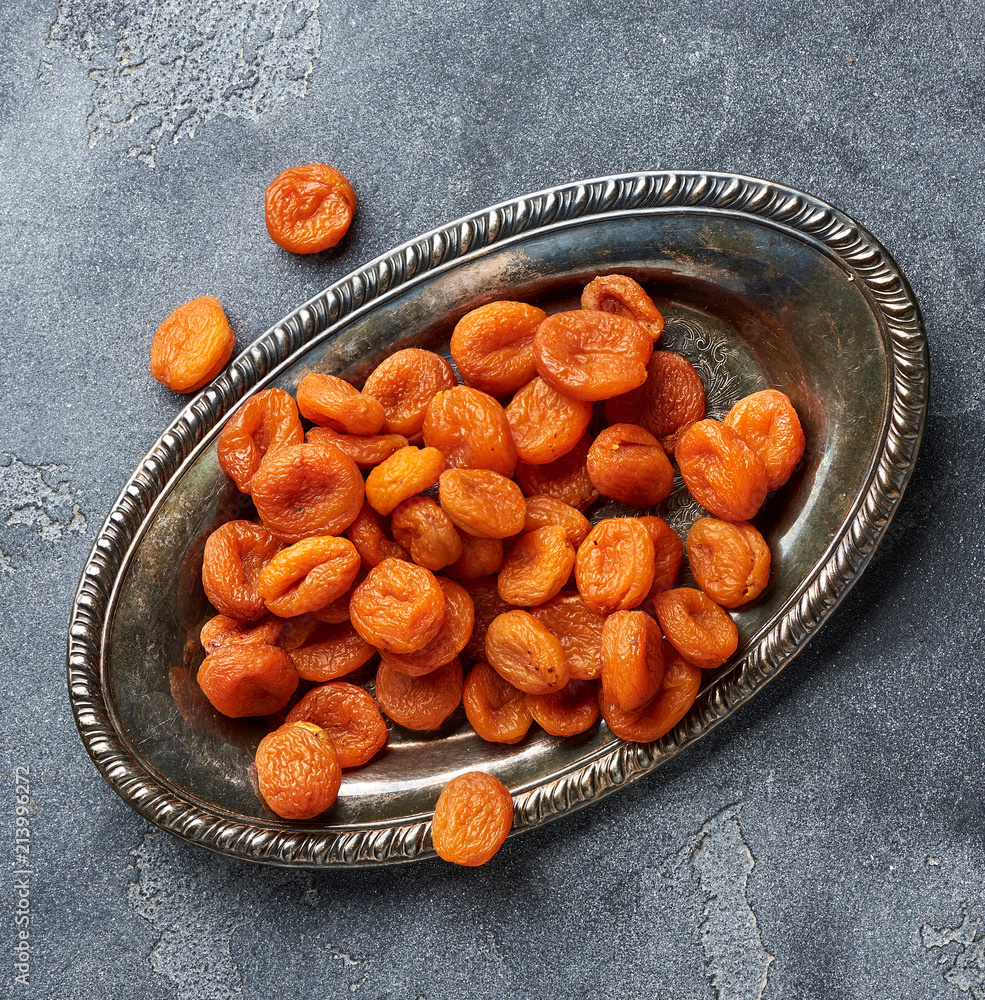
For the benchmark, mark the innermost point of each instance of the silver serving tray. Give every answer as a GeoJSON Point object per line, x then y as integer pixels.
{"type": "Point", "coordinates": [761, 285]}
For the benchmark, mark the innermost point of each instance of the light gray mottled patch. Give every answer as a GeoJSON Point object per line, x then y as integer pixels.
{"type": "Point", "coordinates": [161, 68]}
{"type": "Point", "coordinates": [961, 953]}
{"type": "Point", "coordinates": [736, 961]}
{"type": "Point", "coordinates": [37, 498]}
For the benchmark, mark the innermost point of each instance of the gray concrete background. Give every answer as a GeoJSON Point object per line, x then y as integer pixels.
{"type": "Point", "coordinates": [825, 842]}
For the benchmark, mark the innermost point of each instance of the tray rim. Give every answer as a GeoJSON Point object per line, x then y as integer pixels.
{"type": "Point", "coordinates": [640, 193]}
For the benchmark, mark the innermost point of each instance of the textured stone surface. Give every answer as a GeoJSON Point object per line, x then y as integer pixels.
{"type": "Point", "coordinates": [827, 841]}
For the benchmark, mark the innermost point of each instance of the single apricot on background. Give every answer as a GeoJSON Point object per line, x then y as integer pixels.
{"type": "Point", "coordinates": [309, 208]}
{"type": "Point", "coordinates": [192, 345]}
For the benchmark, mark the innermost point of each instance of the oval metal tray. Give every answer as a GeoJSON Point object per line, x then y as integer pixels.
{"type": "Point", "coordinates": [761, 285]}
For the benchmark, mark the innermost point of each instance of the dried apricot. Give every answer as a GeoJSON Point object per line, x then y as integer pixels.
{"type": "Point", "coordinates": [308, 575]}
{"type": "Point", "coordinates": [405, 383]}
{"type": "Point", "coordinates": [496, 710]}
{"type": "Point", "coordinates": [244, 679]}
{"type": "Point", "coordinates": [419, 703]}
{"type": "Point", "coordinates": [569, 712]}
{"type": "Point", "coordinates": [471, 430]}
{"type": "Point", "coordinates": [543, 511]}
{"type": "Point", "coordinates": [493, 346]}
{"type": "Point", "coordinates": [537, 567]}
{"type": "Point", "coordinates": [309, 208]}
{"type": "Point", "coordinates": [544, 423]}
{"type": "Point", "coordinates": [721, 471]}
{"type": "Point", "coordinates": [578, 629]}
{"type": "Point", "coordinates": [367, 532]}
{"type": "Point", "coordinates": [486, 605]}
{"type": "Point", "coordinates": [402, 475]}
{"type": "Point", "coordinates": [696, 627]}
{"type": "Point", "coordinates": [632, 659]}
{"type": "Point", "coordinates": [472, 819]}
{"type": "Point", "coordinates": [298, 770]}
{"type": "Point", "coordinates": [769, 424]}
{"type": "Point", "coordinates": [350, 718]}
{"type": "Point", "coordinates": [307, 489]}
{"type": "Point", "coordinates": [399, 607]}
{"type": "Point", "coordinates": [332, 402]}
{"type": "Point", "coordinates": [192, 345]}
{"type": "Point", "coordinates": [591, 355]}
{"type": "Point", "coordinates": [669, 401]}
{"type": "Point", "coordinates": [222, 629]}
{"type": "Point", "coordinates": [365, 450]}
{"type": "Point", "coordinates": [668, 550]}
{"type": "Point", "coordinates": [260, 426]}
{"type": "Point", "coordinates": [522, 651]}
{"type": "Point", "coordinates": [681, 682]}
{"type": "Point", "coordinates": [628, 464]}
{"type": "Point", "coordinates": [448, 643]}
{"type": "Point", "coordinates": [427, 532]}
{"type": "Point", "coordinates": [731, 562]}
{"type": "Point", "coordinates": [235, 553]}
{"type": "Point", "coordinates": [621, 295]}
{"type": "Point", "coordinates": [482, 502]}
{"type": "Point", "coordinates": [480, 557]}
{"type": "Point", "coordinates": [330, 651]}
{"type": "Point", "coordinates": [566, 480]}
{"type": "Point", "coordinates": [614, 565]}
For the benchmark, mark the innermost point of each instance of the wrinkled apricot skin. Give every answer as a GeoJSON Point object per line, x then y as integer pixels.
{"type": "Point", "coordinates": [566, 480]}
{"type": "Point", "coordinates": [632, 659]}
{"type": "Point", "coordinates": [614, 565]}
{"type": "Point", "coordinates": [537, 567]}
{"type": "Point", "coordinates": [309, 209]}
{"type": "Point", "coordinates": [579, 630]}
{"type": "Point", "coordinates": [496, 710]}
{"type": "Point", "coordinates": [769, 424]}
{"type": "Point", "coordinates": [569, 712]}
{"type": "Point", "coordinates": [427, 532]}
{"type": "Point", "coordinates": [235, 554]}
{"type": "Point", "coordinates": [242, 680]}
{"type": "Point", "coordinates": [262, 425]}
{"type": "Point", "coordinates": [330, 652]}
{"type": "Point", "coordinates": [470, 429]}
{"type": "Point", "coordinates": [399, 607]}
{"type": "Point", "coordinates": [696, 627]}
{"type": "Point", "coordinates": [493, 346]}
{"type": "Point", "coordinates": [192, 346]}
{"type": "Point", "coordinates": [544, 423]}
{"type": "Point", "coordinates": [349, 717]}
{"type": "Point", "coordinates": [522, 651]}
{"type": "Point", "coordinates": [628, 464]}
{"type": "Point", "coordinates": [472, 819]}
{"type": "Point", "coordinates": [621, 295]}
{"type": "Point", "coordinates": [721, 471]}
{"type": "Point", "coordinates": [332, 402]}
{"type": "Point", "coordinates": [591, 355]}
{"type": "Point", "coordinates": [308, 575]}
{"type": "Point", "coordinates": [681, 682]}
{"type": "Point", "coordinates": [731, 562]}
{"type": "Point", "coordinates": [669, 401]}
{"type": "Point", "coordinates": [668, 551]}
{"type": "Point", "coordinates": [482, 503]}
{"type": "Point", "coordinates": [306, 490]}
{"type": "Point", "coordinates": [298, 771]}
{"type": "Point", "coordinates": [486, 605]}
{"type": "Point", "coordinates": [366, 450]}
{"type": "Point", "coordinates": [371, 540]}
{"type": "Point", "coordinates": [423, 703]}
{"type": "Point", "coordinates": [405, 383]}
{"type": "Point", "coordinates": [401, 476]}
{"type": "Point", "coordinates": [480, 557]}
{"type": "Point", "coordinates": [222, 629]}
{"type": "Point", "coordinates": [544, 511]}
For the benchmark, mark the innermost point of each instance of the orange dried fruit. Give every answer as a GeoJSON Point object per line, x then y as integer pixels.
{"type": "Point", "coordinates": [405, 383]}
{"type": "Point", "coordinates": [261, 425]}
{"type": "Point", "coordinates": [308, 575]}
{"type": "Point", "coordinates": [566, 479]}
{"type": "Point", "coordinates": [365, 450]}
{"type": "Point", "coordinates": [235, 554]}
{"type": "Point", "coordinates": [537, 567]}
{"type": "Point", "coordinates": [486, 605]}
{"type": "Point", "coordinates": [472, 819]}
{"type": "Point", "coordinates": [367, 532]}
{"type": "Point", "coordinates": [579, 630]}
{"type": "Point", "coordinates": [399, 607]}
{"type": "Point", "coordinates": [544, 423]}
{"type": "Point", "coordinates": [308, 209]}
{"type": "Point", "coordinates": [569, 712]}
{"type": "Point", "coordinates": [350, 718]}
{"type": "Point", "coordinates": [522, 651]}
{"type": "Point", "coordinates": [696, 626]}
{"type": "Point", "coordinates": [427, 532]}
{"type": "Point", "coordinates": [245, 679]}
{"type": "Point", "coordinates": [480, 557]}
{"type": "Point", "coordinates": [721, 471]}
{"type": "Point", "coordinates": [731, 562]}
{"type": "Point", "coordinates": [496, 710]}
{"type": "Point", "coordinates": [543, 511]}
{"type": "Point", "coordinates": [402, 475]}
{"type": "Point", "coordinates": [668, 550]}
{"type": "Point", "coordinates": [591, 355]}
{"type": "Point", "coordinates": [329, 652]}
{"type": "Point", "coordinates": [332, 402]}
{"type": "Point", "coordinates": [471, 430]}
{"type": "Point", "coordinates": [419, 703]}
{"type": "Point", "coordinates": [222, 629]}
{"type": "Point", "coordinates": [769, 424]}
{"type": "Point", "coordinates": [621, 295]}
{"type": "Point", "coordinates": [192, 345]}
{"type": "Point", "coordinates": [493, 346]}
{"type": "Point", "coordinates": [298, 771]}
{"type": "Point", "coordinates": [482, 502]}
{"type": "Point", "coordinates": [628, 464]}
{"type": "Point", "coordinates": [614, 565]}
{"type": "Point", "coordinates": [632, 659]}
